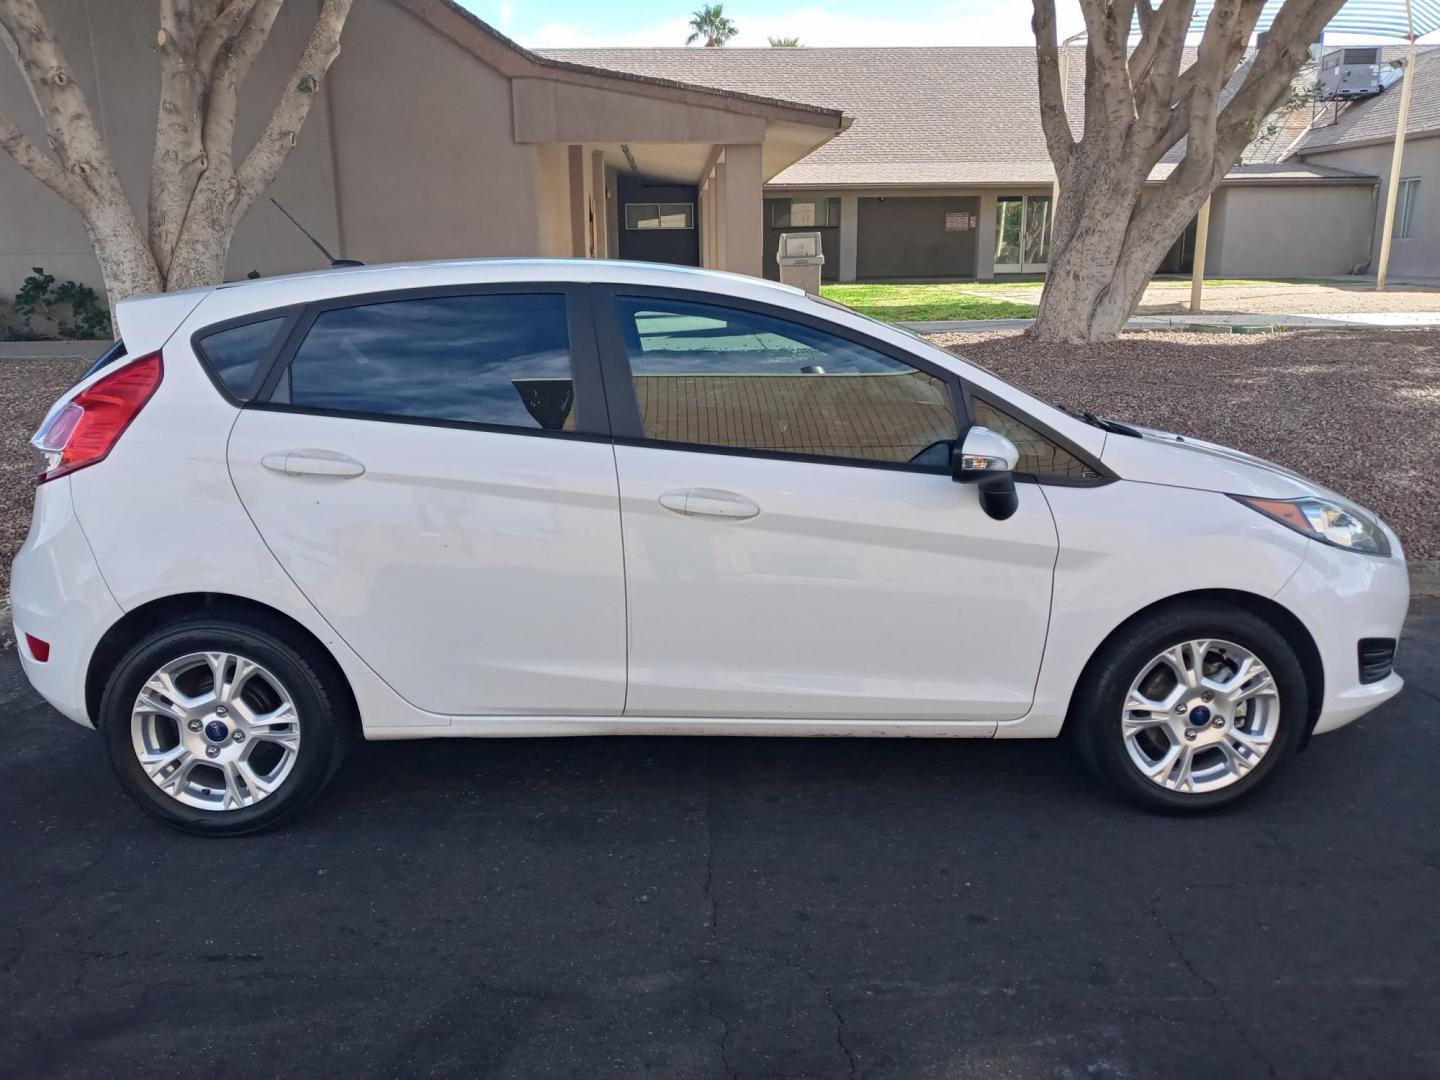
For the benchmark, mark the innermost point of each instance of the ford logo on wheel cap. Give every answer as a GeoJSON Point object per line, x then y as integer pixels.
{"type": "Point", "coordinates": [217, 731]}
{"type": "Point", "coordinates": [1198, 715]}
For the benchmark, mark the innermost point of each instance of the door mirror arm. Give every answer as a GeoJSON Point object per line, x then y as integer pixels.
{"type": "Point", "coordinates": [987, 459]}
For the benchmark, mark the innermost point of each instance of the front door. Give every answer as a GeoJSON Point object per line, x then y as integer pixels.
{"type": "Point", "coordinates": [433, 473]}
{"type": "Point", "coordinates": [794, 544]}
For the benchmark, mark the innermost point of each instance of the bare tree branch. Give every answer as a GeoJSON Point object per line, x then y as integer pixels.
{"type": "Point", "coordinates": [38, 163]}
{"type": "Point", "coordinates": [1053, 121]}
{"type": "Point", "coordinates": [74, 135]}
{"type": "Point", "coordinates": [263, 162]}
{"type": "Point", "coordinates": [218, 33]}
{"type": "Point", "coordinates": [230, 71]}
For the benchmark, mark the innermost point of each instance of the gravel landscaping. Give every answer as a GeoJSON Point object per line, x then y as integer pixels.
{"type": "Point", "coordinates": [1357, 410]}
{"type": "Point", "coordinates": [28, 387]}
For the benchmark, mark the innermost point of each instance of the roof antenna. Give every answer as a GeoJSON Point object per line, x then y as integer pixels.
{"type": "Point", "coordinates": [334, 262]}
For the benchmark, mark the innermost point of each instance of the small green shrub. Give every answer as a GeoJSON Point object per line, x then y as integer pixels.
{"type": "Point", "coordinates": [75, 310]}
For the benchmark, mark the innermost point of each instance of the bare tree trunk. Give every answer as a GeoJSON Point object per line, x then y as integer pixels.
{"type": "Point", "coordinates": [1113, 225]}
{"type": "Point", "coordinates": [198, 193]}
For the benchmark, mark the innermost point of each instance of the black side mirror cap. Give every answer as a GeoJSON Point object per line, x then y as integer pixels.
{"type": "Point", "coordinates": [998, 497]}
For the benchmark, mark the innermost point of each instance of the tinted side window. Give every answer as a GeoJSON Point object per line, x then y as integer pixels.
{"type": "Point", "coordinates": [719, 376]}
{"type": "Point", "coordinates": [499, 358]}
{"type": "Point", "coordinates": [1039, 454]}
{"type": "Point", "coordinates": [233, 355]}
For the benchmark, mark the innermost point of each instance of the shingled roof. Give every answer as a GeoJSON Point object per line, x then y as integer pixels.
{"type": "Point", "coordinates": [1372, 120]}
{"type": "Point", "coordinates": [923, 116]}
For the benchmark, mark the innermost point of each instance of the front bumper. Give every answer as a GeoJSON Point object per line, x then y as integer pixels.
{"type": "Point", "coordinates": [1342, 597]}
{"type": "Point", "coordinates": [58, 595]}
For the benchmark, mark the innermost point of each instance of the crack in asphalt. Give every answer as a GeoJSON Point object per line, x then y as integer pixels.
{"type": "Point", "coordinates": [716, 947]}
{"type": "Point", "coordinates": [1154, 912]}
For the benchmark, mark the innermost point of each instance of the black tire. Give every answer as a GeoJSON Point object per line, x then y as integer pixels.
{"type": "Point", "coordinates": [1096, 715]}
{"type": "Point", "coordinates": [318, 705]}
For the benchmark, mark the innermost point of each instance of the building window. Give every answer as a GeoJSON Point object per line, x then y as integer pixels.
{"type": "Point", "coordinates": [805, 213]}
{"type": "Point", "coordinates": [665, 215]}
{"type": "Point", "coordinates": [1405, 200]}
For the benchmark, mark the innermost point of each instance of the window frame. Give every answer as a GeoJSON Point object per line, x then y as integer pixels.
{"type": "Point", "coordinates": [1406, 192]}
{"type": "Point", "coordinates": [659, 216]}
{"type": "Point", "coordinates": [627, 428]}
{"type": "Point", "coordinates": [291, 314]}
{"type": "Point", "coordinates": [591, 415]}
{"type": "Point", "coordinates": [830, 201]}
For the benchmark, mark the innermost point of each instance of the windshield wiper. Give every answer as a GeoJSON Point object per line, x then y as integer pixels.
{"type": "Point", "coordinates": [1110, 425]}
{"type": "Point", "coordinates": [1100, 422]}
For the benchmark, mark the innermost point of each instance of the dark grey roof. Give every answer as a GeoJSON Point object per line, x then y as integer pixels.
{"type": "Point", "coordinates": [921, 115]}
{"type": "Point", "coordinates": [1373, 119]}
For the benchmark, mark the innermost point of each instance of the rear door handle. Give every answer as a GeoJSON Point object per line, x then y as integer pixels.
{"type": "Point", "coordinates": [709, 502]}
{"type": "Point", "coordinates": [313, 463]}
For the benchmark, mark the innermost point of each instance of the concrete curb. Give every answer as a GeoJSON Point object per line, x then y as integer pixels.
{"type": "Point", "coordinates": [1425, 578]}
{"type": "Point", "coordinates": [52, 350]}
{"type": "Point", "coordinates": [1214, 324]}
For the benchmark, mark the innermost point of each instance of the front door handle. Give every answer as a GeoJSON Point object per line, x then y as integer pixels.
{"type": "Point", "coordinates": [709, 502]}
{"type": "Point", "coordinates": [313, 463]}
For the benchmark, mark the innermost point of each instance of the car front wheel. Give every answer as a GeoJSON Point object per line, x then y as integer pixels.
{"type": "Point", "coordinates": [220, 728]}
{"type": "Point", "coordinates": [1190, 709]}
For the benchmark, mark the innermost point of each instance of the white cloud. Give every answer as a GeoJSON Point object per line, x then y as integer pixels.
{"type": "Point", "coordinates": [959, 22]}
{"type": "Point", "coordinates": [506, 16]}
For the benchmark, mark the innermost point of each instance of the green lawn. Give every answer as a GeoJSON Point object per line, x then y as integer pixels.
{"type": "Point", "coordinates": [925, 303]}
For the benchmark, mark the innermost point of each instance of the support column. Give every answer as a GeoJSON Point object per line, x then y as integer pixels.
{"type": "Point", "coordinates": [1197, 269]}
{"type": "Point", "coordinates": [578, 238]}
{"type": "Point", "coordinates": [598, 205]}
{"type": "Point", "coordinates": [743, 210]}
{"type": "Point", "coordinates": [985, 238]}
{"type": "Point", "coordinates": [849, 235]}
{"type": "Point", "coordinates": [721, 220]}
{"type": "Point", "coordinates": [706, 210]}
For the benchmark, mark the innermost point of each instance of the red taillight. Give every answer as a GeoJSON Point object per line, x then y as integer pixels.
{"type": "Point", "coordinates": [91, 423]}
{"type": "Point", "coordinates": [40, 650]}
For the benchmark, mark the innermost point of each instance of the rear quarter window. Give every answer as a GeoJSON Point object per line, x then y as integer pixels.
{"type": "Point", "coordinates": [233, 354]}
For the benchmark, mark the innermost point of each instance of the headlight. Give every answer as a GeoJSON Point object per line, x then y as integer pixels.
{"type": "Point", "coordinates": [1329, 520]}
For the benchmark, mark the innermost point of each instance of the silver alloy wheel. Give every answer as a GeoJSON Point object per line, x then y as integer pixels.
{"type": "Point", "coordinates": [215, 730]}
{"type": "Point", "coordinates": [1200, 716]}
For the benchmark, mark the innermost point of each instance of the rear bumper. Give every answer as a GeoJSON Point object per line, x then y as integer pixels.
{"type": "Point", "coordinates": [1342, 597]}
{"type": "Point", "coordinates": [58, 595]}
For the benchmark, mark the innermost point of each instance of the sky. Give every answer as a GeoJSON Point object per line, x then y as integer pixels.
{"type": "Point", "coordinates": [540, 24]}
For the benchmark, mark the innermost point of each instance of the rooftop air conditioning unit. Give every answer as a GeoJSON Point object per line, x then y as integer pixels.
{"type": "Point", "coordinates": [1352, 73]}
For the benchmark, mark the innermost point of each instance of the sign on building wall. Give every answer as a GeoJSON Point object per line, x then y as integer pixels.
{"type": "Point", "coordinates": [959, 221]}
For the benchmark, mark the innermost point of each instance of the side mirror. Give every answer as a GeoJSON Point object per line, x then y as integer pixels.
{"type": "Point", "coordinates": [988, 459]}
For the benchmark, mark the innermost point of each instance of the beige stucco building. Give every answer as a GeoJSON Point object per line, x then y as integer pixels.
{"type": "Point", "coordinates": [434, 137]}
{"type": "Point", "coordinates": [437, 137]}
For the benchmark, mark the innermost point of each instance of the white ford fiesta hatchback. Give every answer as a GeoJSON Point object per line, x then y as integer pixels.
{"type": "Point", "coordinates": [508, 498]}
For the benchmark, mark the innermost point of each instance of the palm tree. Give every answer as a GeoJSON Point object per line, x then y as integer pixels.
{"type": "Point", "coordinates": [711, 23]}
{"type": "Point", "coordinates": [784, 42]}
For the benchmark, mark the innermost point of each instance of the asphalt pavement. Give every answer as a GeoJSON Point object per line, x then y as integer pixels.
{"type": "Point", "coordinates": [632, 907]}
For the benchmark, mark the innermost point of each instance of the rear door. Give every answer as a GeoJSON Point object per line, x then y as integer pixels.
{"type": "Point", "coordinates": [433, 470]}
{"type": "Point", "coordinates": [794, 544]}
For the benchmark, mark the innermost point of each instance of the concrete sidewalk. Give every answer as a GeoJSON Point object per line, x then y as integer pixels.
{"type": "Point", "coordinates": [1382, 320]}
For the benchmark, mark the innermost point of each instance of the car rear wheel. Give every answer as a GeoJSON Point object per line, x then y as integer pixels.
{"type": "Point", "coordinates": [220, 728]}
{"type": "Point", "coordinates": [1190, 709]}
